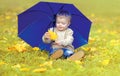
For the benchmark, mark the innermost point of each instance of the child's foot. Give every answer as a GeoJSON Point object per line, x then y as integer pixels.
{"type": "Point", "coordinates": [57, 54]}
{"type": "Point", "coordinates": [76, 56]}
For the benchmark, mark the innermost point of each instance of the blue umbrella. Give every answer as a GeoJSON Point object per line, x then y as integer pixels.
{"type": "Point", "coordinates": [35, 21]}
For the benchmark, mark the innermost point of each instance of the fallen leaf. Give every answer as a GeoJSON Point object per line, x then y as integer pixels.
{"type": "Point", "coordinates": [35, 48]}
{"type": "Point", "coordinates": [24, 69]}
{"type": "Point", "coordinates": [105, 62]}
{"type": "Point", "coordinates": [2, 63]}
{"type": "Point", "coordinates": [39, 70]}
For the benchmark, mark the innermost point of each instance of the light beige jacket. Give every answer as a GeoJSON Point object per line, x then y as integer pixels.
{"type": "Point", "coordinates": [64, 37]}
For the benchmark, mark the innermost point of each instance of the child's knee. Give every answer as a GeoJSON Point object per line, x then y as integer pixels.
{"type": "Point", "coordinates": [51, 51]}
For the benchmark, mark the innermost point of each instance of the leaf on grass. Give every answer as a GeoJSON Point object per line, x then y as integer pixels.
{"type": "Point", "coordinates": [24, 69]}
{"type": "Point", "coordinates": [47, 64]}
{"type": "Point", "coordinates": [105, 62]}
{"type": "Point", "coordinates": [39, 70]}
{"type": "Point", "coordinates": [2, 63]}
{"type": "Point", "coordinates": [18, 48]}
{"type": "Point", "coordinates": [16, 66]}
{"type": "Point", "coordinates": [35, 48]}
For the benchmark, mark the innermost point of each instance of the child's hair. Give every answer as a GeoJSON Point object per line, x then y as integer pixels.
{"type": "Point", "coordinates": [64, 13]}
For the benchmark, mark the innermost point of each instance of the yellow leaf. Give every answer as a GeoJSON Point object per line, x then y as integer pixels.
{"type": "Point", "coordinates": [11, 48]}
{"type": "Point", "coordinates": [4, 38]}
{"type": "Point", "coordinates": [39, 70]}
{"type": "Point", "coordinates": [59, 69]}
{"type": "Point", "coordinates": [92, 39]}
{"type": "Point", "coordinates": [36, 49]}
{"type": "Point", "coordinates": [105, 62]}
{"type": "Point", "coordinates": [86, 48]}
{"type": "Point", "coordinates": [92, 15]}
{"type": "Point", "coordinates": [24, 69]}
{"type": "Point", "coordinates": [78, 62]}
{"type": "Point", "coordinates": [16, 66]}
{"type": "Point", "coordinates": [8, 17]}
{"type": "Point", "coordinates": [47, 64]}
{"type": "Point", "coordinates": [53, 35]}
{"type": "Point", "coordinates": [93, 49]}
{"type": "Point", "coordinates": [18, 48]}
{"type": "Point", "coordinates": [42, 58]}
{"type": "Point", "coordinates": [2, 63]}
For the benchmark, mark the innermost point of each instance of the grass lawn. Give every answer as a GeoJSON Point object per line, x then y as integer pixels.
{"type": "Point", "coordinates": [102, 58]}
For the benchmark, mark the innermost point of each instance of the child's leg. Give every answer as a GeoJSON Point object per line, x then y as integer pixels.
{"type": "Point", "coordinates": [76, 56]}
{"type": "Point", "coordinates": [55, 53]}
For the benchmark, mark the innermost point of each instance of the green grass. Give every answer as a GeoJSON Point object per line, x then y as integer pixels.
{"type": "Point", "coordinates": [102, 52]}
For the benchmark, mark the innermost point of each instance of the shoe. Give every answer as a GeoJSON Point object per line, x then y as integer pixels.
{"type": "Point", "coordinates": [76, 56]}
{"type": "Point", "coordinates": [57, 54]}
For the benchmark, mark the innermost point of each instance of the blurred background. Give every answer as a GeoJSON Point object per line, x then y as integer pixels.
{"type": "Point", "coordinates": [9, 9]}
{"type": "Point", "coordinates": [88, 7]}
{"type": "Point", "coordinates": [102, 51]}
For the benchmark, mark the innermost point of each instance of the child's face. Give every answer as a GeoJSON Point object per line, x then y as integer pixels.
{"type": "Point", "coordinates": [62, 23]}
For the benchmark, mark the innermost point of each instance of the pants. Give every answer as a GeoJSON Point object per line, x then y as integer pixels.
{"type": "Point", "coordinates": [66, 52]}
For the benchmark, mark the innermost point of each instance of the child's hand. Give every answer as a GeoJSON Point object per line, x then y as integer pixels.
{"type": "Point", "coordinates": [58, 42]}
{"type": "Point", "coordinates": [47, 35]}
{"type": "Point", "coordinates": [53, 35]}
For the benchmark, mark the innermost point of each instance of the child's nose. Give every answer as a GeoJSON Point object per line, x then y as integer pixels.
{"type": "Point", "coordinates": [60, 24]}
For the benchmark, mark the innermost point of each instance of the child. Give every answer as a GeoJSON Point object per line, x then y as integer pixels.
{"type": "Point", "coordinates": [62, 46]}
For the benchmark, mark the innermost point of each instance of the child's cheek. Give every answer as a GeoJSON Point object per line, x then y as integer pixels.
{"type": "Point", "coordinates": [57, 25]}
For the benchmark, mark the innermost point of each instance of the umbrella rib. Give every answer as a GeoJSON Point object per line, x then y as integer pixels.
{"type": "Point", "coordinates": [29, 26]}
{"type": "Point", "coordinates": [46, 29]}
{"type": "Point", "coordinates": [35, 11]}
{"type": "Point", "coordinates": [82, 16]}
{"type": "Point", "coordinates": [61, 7]}
{"type": "Point", "coordinates": [76, 15]}
{"type": "Point", "coordinates": [48, 25]}
{"type": "Point", "coordinates": [52, 13]}
{"type": "Point", "coordinates": [58, 11]}
{"type": "Point", "coordinates": [50, 7]}
{"type": "Point", "coordinates": [26, 27]}
{"type": "Point", "coordinates": [40, 11]}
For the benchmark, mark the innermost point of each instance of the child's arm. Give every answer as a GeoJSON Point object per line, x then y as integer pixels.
{"type": "Point", "coordinates": [46, 38]}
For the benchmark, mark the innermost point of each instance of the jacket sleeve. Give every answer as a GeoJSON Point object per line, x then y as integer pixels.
{"type": "Point", "coordinates": [45, 40]}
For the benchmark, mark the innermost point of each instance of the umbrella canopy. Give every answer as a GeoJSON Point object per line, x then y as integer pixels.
{"type": "Point", "coordinates": [35, 21]}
